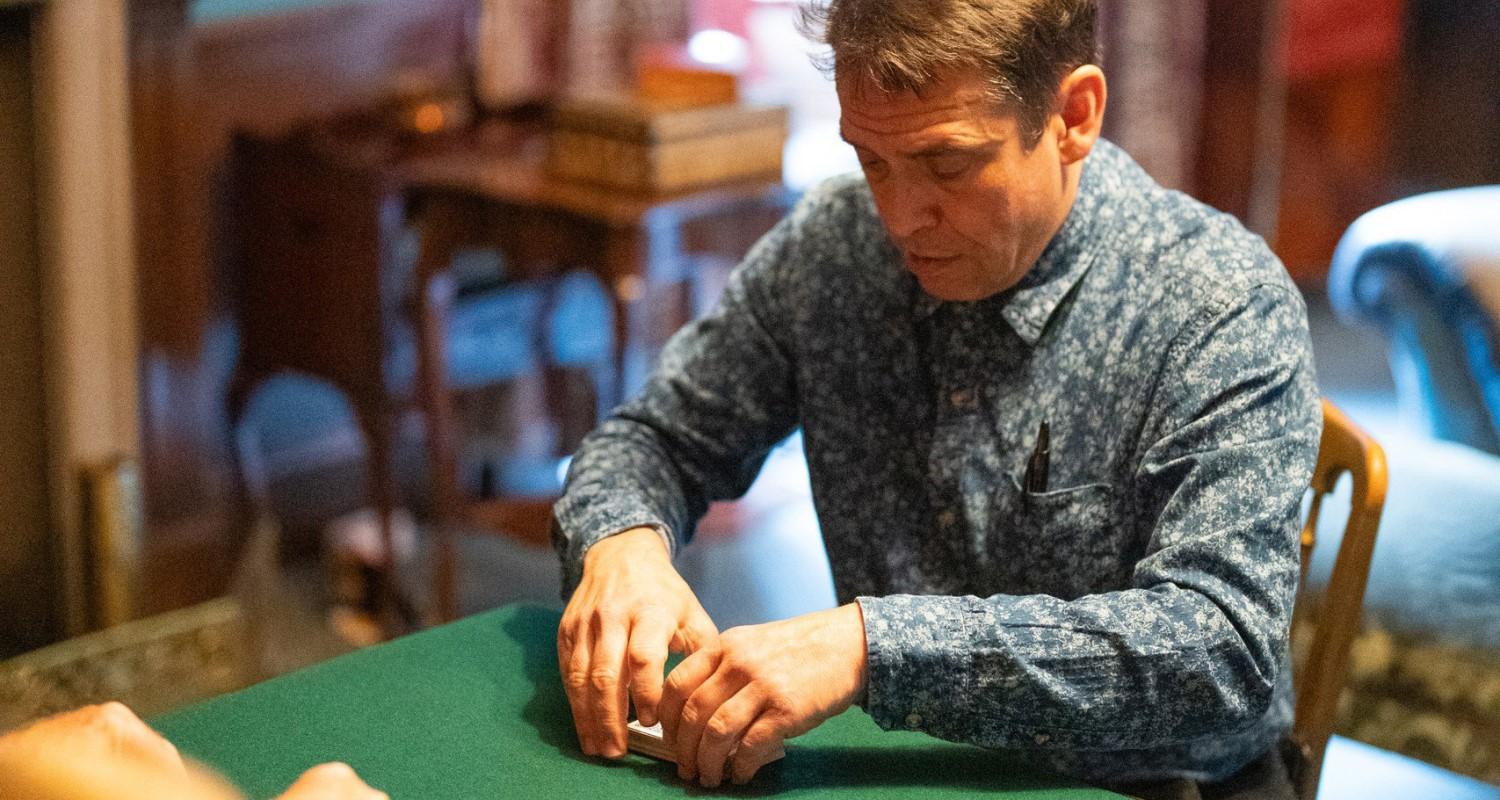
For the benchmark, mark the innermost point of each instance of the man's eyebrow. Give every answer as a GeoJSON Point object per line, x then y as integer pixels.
{"type": "Point", "coordinates": [934, 149]}
{"type": "Point", "coordinates": [945, 148]}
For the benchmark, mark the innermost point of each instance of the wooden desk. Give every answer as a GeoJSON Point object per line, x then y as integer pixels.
{"type": "Point", "coordinates": [642, 246]}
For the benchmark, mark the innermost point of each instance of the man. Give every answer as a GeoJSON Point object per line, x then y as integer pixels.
{"type": "Point", "coordinates": [1058, 421]}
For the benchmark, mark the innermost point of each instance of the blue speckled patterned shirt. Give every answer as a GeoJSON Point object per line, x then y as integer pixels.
{"type": "Point", "coordinates": [1130, 622]}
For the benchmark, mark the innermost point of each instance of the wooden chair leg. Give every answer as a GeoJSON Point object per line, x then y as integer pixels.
{"type": "Point", "coordinates": [396, 615]}
{"type": "Point", "coordinates": [436, 298]}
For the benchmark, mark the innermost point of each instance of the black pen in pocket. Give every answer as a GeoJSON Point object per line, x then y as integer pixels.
{"type": "Point", "coordinates": [1040, 462]}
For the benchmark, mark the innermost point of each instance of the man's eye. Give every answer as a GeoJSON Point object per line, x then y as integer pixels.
{"type": "Point", "coordinates": [949, 166]}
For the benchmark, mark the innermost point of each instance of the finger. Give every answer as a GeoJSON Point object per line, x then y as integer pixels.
{"type": "Point", "coordinates": [696, 713]}
{"type": "Point", "coordinates": [762, 743]}
{"type": "Point", "coordinates": [647, 659]}
{"type": "Point", "coordinates": [566, 638]}
{"type": "Point", "coordinates": [607, 686]}
{"type": "Point", "coordinates": [332, 781]}
{"type": "Point", "coordinates": [721, 734]}
{"type": "Point", "coordinates": [132, 738]}
{"type": "Point", "coordinates": [680, 685]}
{"type": "Point", "coordinates": [695, 633]}
{"type": "Point", "coordinates": [576, 685]}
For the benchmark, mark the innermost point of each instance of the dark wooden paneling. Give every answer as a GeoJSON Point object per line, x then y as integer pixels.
{"type": "Point", "coordinates": [29, 585]}
{"type": "Point", "coordinates": [1238, 82]}
{"type": "Point", "coordinates": [192, 86]}
{"type": "Point", "coordinates": [1448, 113]}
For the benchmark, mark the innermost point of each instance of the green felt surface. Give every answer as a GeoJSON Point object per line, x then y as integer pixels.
{"type": "Point", "coordinates": [475, 709]}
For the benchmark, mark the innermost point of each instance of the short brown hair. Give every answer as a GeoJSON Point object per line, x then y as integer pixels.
{"type": "Point", "coordinates": [1023, 47]}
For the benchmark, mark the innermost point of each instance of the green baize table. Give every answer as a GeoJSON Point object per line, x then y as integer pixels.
{"type": "Point", "coordinates": [475, 709]}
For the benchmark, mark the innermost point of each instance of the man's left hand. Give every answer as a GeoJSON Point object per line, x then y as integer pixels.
{"type": "Point", "coordinates": [732, 705]}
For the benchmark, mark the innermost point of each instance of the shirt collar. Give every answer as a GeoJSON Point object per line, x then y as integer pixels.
{"type": "Point", "coordinates": [1030, 304]}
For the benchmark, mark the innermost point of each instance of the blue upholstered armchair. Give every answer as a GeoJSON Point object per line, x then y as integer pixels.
{"type": "Point", "coordinates": [1426, 272]}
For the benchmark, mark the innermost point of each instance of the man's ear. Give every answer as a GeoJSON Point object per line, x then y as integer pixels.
{"type": "Point", "coordinates": [1080, 102]}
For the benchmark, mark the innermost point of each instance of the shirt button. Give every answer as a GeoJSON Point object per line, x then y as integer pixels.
{"type": "Point", "coordinates": [913, 720]}
{"type": "Point", "coordinates": [1042, 738]}
{"type": "Point", "coordinates": [962, 398]}
{"type": "Point", "coordinates": [947, 518]}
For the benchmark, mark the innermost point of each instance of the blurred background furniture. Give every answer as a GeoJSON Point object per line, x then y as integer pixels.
{"type": "Point", "coordinates": [1344, 450]}
{"type": "Point", "coordinates": [1369, 773]}
{"type": "Point", "coordinates": [402, 276]}
{"type": "Point", "coordinates": [1424, 668]}
{"type": "Point", "coordinates": [152, 665]}
{"type": "Point", "coordinates": [328, 284]}
{"type": "Point", "coordinates": [658, 255]}
{"type": "Point", "coordinates": [1425, 272]}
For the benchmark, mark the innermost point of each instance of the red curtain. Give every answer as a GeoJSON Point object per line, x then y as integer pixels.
{"type": "Point", "coordinates": [1326, 37]}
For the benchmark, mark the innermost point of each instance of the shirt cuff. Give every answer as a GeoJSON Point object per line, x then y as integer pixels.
{"type": "Point", "coordinates": [578, 526]}
{"type": "Point", "coordinates": [917, 675]}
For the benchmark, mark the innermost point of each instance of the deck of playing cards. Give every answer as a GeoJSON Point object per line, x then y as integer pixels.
{"type": "Point", "coordinates": [648, 741]}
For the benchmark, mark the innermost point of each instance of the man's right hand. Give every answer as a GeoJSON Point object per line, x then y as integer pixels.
{"type": "Point", "coordinates": [629, 611]}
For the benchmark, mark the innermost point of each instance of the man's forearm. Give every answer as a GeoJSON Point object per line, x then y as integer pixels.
{"type": "Point", "coordinates": [1124, 670]}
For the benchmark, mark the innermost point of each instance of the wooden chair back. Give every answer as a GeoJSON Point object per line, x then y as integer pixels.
{"type": "Point", "coordinates": [1320, 677]}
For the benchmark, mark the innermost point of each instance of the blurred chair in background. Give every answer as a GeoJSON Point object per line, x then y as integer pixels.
{"type": "Point", "coordinates": [330, 289]}
{"type": "Point", "coordinates": [1422, 588]}
{"type": "Point", "coordinates": [1426, 655]}
{"type": "Point", "coordinates": [1344, 449]}
{"type": "Point", "coordinates": [1425, 272]}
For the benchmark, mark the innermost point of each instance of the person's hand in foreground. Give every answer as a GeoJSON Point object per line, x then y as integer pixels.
{"type": "Point", "coordinates": [108, 732]}
{"type": "Point", "coordinates": [332, 781]}
{"type": "Point", "coordinates": [728, 708]}
{"type": "Point", "coordinates": [630, 609]}
{"type": "Point", "coordinates": [106, 751]}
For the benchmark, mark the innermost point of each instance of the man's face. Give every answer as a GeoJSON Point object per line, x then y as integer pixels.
{"type": "Point", "coordinates": [970, 207]}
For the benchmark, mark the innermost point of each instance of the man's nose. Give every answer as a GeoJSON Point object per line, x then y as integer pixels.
{"type": "Point", "coordinates": [907, 212]}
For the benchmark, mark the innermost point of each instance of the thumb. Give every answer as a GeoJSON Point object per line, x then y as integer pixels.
{"type": "Point", "coordinates": [332, 781]}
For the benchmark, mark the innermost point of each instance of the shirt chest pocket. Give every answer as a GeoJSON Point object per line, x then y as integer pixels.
{"type": "Point", "coordinates": [1060, 542]}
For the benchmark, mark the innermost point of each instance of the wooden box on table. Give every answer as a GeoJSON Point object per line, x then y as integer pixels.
{"type": "Point", "coordinates": [641, 146]}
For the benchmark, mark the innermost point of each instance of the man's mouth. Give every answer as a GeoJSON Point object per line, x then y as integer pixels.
{"type": "Point", "coordinates": [928, 262]}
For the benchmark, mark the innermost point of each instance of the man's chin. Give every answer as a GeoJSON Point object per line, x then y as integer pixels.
{"type": "Point", "coordinates": [951, 291]}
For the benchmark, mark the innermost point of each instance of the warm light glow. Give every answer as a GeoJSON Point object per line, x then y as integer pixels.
{"type": "Point", "coordinates": [719, 48]}
{"type": "Point", "coordinates": [429, 118]}
{"type": "Point", "coordinates": [630, 288]}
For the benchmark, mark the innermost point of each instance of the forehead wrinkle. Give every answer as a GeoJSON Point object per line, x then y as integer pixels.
{"type": "Point", "coordinates": [950, 120]}
{"type": "Point", "coordinates": [923, 145]}
{"type": "Point", "coordinates": [944, 134]}
{"type": "Point", "coordinates": [906, 113]}
{"type": "Point", "coordinates": [913, 124]}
